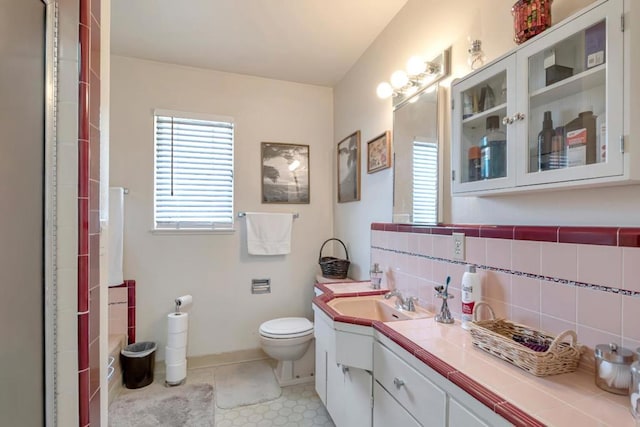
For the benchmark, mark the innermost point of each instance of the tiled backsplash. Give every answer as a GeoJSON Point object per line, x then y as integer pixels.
{"type": "Point", "coordinates": [551, 278]}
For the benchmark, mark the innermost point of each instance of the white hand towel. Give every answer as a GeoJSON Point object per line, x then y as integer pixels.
{"type": "Point", "coordinates": [269, 233]}
{"type": "Point", "coordinates": [116, 235]}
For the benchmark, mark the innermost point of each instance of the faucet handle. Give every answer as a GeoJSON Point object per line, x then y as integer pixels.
{"type": "Point", "coordinates": [410, 303]}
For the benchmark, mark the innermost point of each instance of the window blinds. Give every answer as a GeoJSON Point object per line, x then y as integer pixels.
{"type": "Point", "coordinates": [193, 173]}
{"type": "Point", "coordinates": [425, 182]}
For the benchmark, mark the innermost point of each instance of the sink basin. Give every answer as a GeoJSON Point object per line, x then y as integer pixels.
{"type": "Point", "coordinates": [375, 307]}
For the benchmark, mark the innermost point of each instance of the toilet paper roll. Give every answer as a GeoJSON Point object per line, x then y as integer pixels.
{"type": "Point", "coordinates": [175, 355]}
{"type": "Point", "coordinates": [177, 322]}
{"type": "Point", "coordinates": [176, 372]}
{"type": "Point", "coordinates": [177, 340]}
{"type": "Point", "coordinates": [184, 301]}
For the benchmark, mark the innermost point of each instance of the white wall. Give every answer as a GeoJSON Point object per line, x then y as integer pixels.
{"type": "Point", "coordinates": [427, 28]}
{"type": "Point", "coordinates": [216, 269]}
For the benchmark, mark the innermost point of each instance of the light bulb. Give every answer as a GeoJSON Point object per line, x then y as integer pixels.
{"type": "Point", "coordinates": [399, 79]}
{"type": "Point", "coordinates": [416, 65]}
{"type": "Point", "coordinates": [384, 90]}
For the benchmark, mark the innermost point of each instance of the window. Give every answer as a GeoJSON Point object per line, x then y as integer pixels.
{"type": "Point", "coordinates": [425, 182]}
{"type": "Point", "coordinates": [193, 186]}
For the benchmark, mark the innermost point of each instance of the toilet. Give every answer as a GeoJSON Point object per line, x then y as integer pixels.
{"type": "Point", "coordinates": [289, 340]}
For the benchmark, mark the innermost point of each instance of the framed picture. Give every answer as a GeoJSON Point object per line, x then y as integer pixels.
{"type": "Point", "coordinates": [285, 173]}
{"type": "Point", "coordinates": [349, 168]}
{"type": "Point", "coordinates": [379, 153]}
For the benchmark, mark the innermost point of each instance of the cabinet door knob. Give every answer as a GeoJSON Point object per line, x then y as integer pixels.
{"type": "Point", "coordinates": [398, 382]}
{"type": "Point", "coordinates": [519, 116]}
{"type": "Point", "coordinates": [507, 120]}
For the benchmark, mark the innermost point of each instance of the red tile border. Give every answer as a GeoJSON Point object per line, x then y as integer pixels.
{"type": "Point", "coordinates": [83, 397]}
{"type": "Point", "coordinates": [85, 12]}
{"type": "Point", "coordinates": [83, 283]}
{"type": "Point", "coordinates": [517, 417]}
{"type": "Point", "coordinates": [84, 46]}
{"type": "Point", "coordinates": [83, 168]}
{"type": "Point", "coordinates": [605, 236]}
{"type": "Point", "coordinates": [471, 386]}
{"type": "Point", "coordinates": [589, 235]}
{"type": "Point", "coordinates": [442, 231]}
{"type": "Point", "coordinates": [435, 363]}
{"type": "Point", "coordinates": [469, 231]}
{"type": "Point", "coordinates": [421, 229]}
{"type": "Point", "coordinates": [629, 237]}
{"type": "Point", "coordinates": [83, 341]}
{"type": "Point", "coordinates": [497, 231]}
{"type": "Point", "coordinates": [538, 234]}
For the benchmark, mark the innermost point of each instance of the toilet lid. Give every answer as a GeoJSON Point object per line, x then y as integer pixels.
{"type": "Point", "coordinates": [286, 327]}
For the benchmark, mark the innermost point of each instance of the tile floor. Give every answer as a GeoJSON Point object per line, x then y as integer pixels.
{"type": "Point", "coordinates": [298, 406]}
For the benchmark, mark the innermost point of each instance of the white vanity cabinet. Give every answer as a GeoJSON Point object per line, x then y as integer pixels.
{"type": "Point", "coordinates": [408, 392]}
{"type": "Point", "coordinates": [575, 66]}
{"type": "Point", "coordinates": [342, 379]}
{"type": "Point", "coordinates": [421, 398]}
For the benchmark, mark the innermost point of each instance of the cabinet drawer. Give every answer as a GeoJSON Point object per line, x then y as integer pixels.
{"type": "Point", "coordinates": [423, 399]}
{"type": "Point", "coordinates": [354, 350]}
{"type": "Point", "coordinates": [459, 416]}
{"type": "Point", "coordinates": [387, 412]}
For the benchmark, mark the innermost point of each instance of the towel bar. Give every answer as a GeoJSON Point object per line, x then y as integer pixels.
{"type": "Point", "coordinates": [243, 214]}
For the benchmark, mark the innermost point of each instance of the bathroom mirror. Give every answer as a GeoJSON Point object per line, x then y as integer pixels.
{"type": "Point", "coordinates": [417, 183]}
{"type": "Point", "coordinates": [416, 195]}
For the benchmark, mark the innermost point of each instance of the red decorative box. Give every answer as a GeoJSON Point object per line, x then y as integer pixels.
{"type": "Point", "coordinates": [530, 17]}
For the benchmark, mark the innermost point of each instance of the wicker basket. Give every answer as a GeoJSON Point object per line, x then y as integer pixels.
{"type": "Point", "coordinates": [495, 336]}
{"type": "Point", "coordinates": [332, 267]}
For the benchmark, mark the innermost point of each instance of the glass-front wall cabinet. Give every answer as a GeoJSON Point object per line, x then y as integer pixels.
{"type": "Point", "coordinates": [547, 115]}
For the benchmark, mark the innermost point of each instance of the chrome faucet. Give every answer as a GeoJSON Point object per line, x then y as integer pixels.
{"type": "Point", "coordinates": [402, 303]}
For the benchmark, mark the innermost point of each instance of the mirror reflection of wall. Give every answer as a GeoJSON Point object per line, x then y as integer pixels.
{"type": "Point", "coordinates": [416, 158]}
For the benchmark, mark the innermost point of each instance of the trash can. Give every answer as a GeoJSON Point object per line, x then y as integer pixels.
{"type": "Point", "coordinates": [138, 361]}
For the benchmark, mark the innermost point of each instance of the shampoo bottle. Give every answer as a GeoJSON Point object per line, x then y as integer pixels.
{"type": "Point", "coordinates": [470, 293]}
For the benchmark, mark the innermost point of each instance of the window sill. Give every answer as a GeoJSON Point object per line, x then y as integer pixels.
{"type": "Point", "coordinates": [192, 231]}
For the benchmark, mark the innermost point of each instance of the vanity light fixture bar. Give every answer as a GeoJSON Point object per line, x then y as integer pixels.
{"type": "Point", "coordinates": [243, 214]}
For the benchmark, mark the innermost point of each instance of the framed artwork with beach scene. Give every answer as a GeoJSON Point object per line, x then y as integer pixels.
{"type": "Point", "coordinates": [349, 168]}
{"type": "Point", "coordinates": [285, 173]}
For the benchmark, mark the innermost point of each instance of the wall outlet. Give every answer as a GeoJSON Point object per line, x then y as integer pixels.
{"type": "Point", "coordinates": [458, 246]}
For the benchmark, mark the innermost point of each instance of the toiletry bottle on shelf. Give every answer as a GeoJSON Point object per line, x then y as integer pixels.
{"type": "Point", "coordinates": [545, 143]}
{"type": "Point", "coordinates": [493, 151]}
{"type": "Point", "coordinates": [471, 293]}
{"type": "Point", "coordinates": [601, 137]}
{"type": "Point", "coordinates": [474, 163]}
{"type": "Point", "coordinates": [580, 139]}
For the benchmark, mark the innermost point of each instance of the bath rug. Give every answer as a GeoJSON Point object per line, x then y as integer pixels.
{"type": "Point", "coordinates": [156, 405]}
{"type": "Point", "coordinates": [245, 384]}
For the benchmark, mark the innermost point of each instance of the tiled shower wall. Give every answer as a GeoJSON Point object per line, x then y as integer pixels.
{"type": "Point", "coordinates": [550, 278]}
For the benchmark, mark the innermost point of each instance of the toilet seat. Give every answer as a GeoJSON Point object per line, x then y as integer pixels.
{"type": "Point", "coordinates": [286, 327]}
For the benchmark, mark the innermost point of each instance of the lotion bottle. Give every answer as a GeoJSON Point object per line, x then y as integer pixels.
{"type": "Point", "coordinates": [471, 292]}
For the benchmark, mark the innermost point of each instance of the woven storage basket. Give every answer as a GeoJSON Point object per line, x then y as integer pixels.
{"type": "Point", "coordinates": [332, 267]}
{"type": "Point", "coordinates": [495, 336]}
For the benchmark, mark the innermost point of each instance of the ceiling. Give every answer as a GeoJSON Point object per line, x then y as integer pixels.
{"type": "Point", "coordinates": [306, 41]}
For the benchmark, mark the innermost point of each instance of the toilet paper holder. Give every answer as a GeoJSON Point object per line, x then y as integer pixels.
{"type": "Point", "coordinates": [183, 302]}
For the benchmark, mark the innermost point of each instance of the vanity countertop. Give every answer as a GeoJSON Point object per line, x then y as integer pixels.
{"type": "Point", "coordinates": [349, 288]}
{"type": "Point", "coordinates": [521, 398]}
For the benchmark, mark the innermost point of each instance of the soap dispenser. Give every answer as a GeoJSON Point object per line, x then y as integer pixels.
{"type": "Point", "coordinates": [376, 276]}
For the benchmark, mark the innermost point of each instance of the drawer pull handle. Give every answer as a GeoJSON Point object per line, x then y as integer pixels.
{"type": "Point", "coordinates": [345, 369]}
{"type": "Point", "coordinates": [398, 382]}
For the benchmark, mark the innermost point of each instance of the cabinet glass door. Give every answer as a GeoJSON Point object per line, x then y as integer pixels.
{"type": "Point", "coordinates": [482, 148]}
{"type": "Point", "coordinates": [573, 101]}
